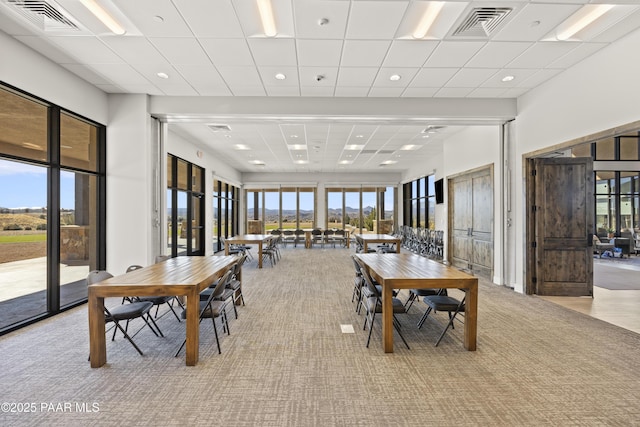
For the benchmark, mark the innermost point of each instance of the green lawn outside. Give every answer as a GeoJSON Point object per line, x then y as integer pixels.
{"type": "Point", "coordinates": [23, 238]}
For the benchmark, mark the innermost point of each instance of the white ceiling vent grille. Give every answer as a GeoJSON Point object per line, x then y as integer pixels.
{"type": "Point", "coordinates": [45, 15]}
{"type": "Point", "coordinates": [219, 128]}
{"type": "Point", "coordinates": [481, 22]}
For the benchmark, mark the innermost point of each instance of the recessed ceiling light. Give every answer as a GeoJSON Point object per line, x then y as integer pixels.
{"type": "Point", "coordinates": [507, 78]}
{"type": "Point", "coordinates": [163, 75]}
{"type": "Point", "coordinates": [581, 19]}
{"type": "Point", "coordinates": [388, 162]}
{"type": "Point", "coordinates": [353, 147]}
{"type": "Point", "coordinates": [425, 136]}
{"type": "Point", "coordinates": [297, 147]}
{"type": "Point", "coordinates": [241, 147]}
{"type": "Point", "coordinates": [256, 162]}
{"type": "Point", "coordinates": [301, 162]}
{"type": "Point", "coordinates": [359, 136]}
{"type": "Point", "coordinates": [280, 76]}
{"type": "Point", "coordinates": [294, 136]}
{"type": "Point", "coordinates": [395, 77]}
{"type": "Point", "coordinates": [430, 15]}
{"type": "Point", "coordinates": [410, 147]}
{"type": "Point", "coordinates": [345, 162]}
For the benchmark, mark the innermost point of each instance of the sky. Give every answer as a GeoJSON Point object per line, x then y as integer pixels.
{"type": "Point", "coordinates": [25, 186]}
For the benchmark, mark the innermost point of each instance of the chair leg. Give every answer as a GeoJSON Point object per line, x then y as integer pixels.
{"type": "Point", "coordinates": [450, 323]}
{"type": "Point", "coordinates": [409, 303]}
{"type": "Point", "coordinates": [126, 335]}
{"type": "Point", "coordinates": [154, 324]}
{"type": "Point", "coordinates": [373, 317]}
{"type": "Point", "coordinates": [424, 317]}
{"type": "Point", "coordinates": [396, 325]}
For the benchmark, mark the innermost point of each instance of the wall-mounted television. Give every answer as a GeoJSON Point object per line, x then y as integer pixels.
{"type": "Point", "coordinates": [439, 188]}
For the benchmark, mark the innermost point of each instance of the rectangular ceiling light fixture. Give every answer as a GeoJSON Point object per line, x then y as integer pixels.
{"type": "Point", "coordinates": [103, 16]}
{"type": "Point", "coordinates": [266, 16]}
{"type": "Point", "coordinates": [430, 15]}
{"type": "Point", "coordinates": [581, 19]}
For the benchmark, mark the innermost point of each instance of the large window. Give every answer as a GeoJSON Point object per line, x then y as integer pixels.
{"type": "Point", "coordinates": [185, 208]}
{"type": "Point", "coordinates": [361, 210]}
{"type": "Point", "coordinates": [51, 207]}
{"type": "Point", "coordinates": [225, 212]}
{"type": "Point", "coordinates": [283, 208]}
{"type": "Point", "coordinates": [420, 202]}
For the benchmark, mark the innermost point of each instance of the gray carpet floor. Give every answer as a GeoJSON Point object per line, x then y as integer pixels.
{"type": "Point", "coordinates": [287, 363]}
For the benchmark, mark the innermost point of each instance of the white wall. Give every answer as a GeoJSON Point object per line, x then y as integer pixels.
{"type": "Point", "coordinates": [31, 72]}
{"type": "Point", "coordinates": [597, 94]}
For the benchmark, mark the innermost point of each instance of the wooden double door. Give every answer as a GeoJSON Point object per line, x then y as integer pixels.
{"type": "Point", "coordinates": [471, 222]}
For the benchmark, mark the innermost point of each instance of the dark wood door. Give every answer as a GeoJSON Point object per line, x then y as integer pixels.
{"type": "Point", "coordinates": [471, 219]}
{"type": "Point", "coordinates": [563, 226]}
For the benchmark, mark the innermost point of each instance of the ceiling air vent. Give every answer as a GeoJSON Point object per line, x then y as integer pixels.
{"type": "Point", "coordinates": [219, 128]}
{"type": "Point", "coordinates": [481, 22]}
{"type": "Point", "coordinates": [432, 129]}
{"type": "Point", "coordinates": [45, 15]}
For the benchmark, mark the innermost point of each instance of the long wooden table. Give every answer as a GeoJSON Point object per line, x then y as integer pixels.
{"type": "Point", "coordinates": [379, 238]}
{"type": "Point", "coordinates": [408, 271]}
{"type": "Point", "coordinates": [186, 276]}
{"type": "Point", "coordinates": [249, 239]}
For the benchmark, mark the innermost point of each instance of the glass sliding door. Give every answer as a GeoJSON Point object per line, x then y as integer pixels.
{"type": "Point", "coordinates": [52, 207]}
{"type": "Point", "coordinates": [334, 209]}
{"type": "Point", "coordinates": [352, 213]}
{"type": "Point", "coordinates": [306, 208]}
{"type": "Point", "coordinates": [271, 210]}
{"type": "Point", "coordinates": [369, 210]}
{"type": "Point", "coordinates": [23, 241]}
{"type": "Point", "coordinates": [289, 209]}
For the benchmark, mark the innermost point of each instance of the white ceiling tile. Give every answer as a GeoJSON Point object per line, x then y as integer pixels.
{"type": "Point", "coordinates": [150, 72]}
{"type": "Point", "coordinates": [470, 77]}
{"type": "Point", "coordinates": [542, 54]}
{"type": "Point", "coordinates": [534, 21]}
{"type": "Point", "coordinates": [273, 51]}
{"type": "Point", "coordinates": [309, 76]}
{"type": "Point", "coordinates": [122, 74]}
{"type": "Point", "coordinates": [206, 89]}
{"type": "Point", "coordinates": [538, 78]}
{"type": "Point", "coordinates": [309, 13]}
{"type": "Point", "coordinates": [409, 53]}
{"type": "Point", "coordinates": [433, 77]}
{"type": "Point", "coordinates": [177, 90]}
{"type": "Point", "coordinates": [576, 55]}
{"type": "Point", "coordinates": [319, 52]}
{"type": "Point", "coordinates": [519, 74]}
{"type": "Point", "coordinates": [143, 13]}
{"type": "Point", "coordinates": [210, 18]}
{"type": "Point", "coordinates": [240, 76]}
{"type": "Point", "coordinates": [453, 54]}
{"type": "Point", "coordinates": [200, 74]}
{"type": "Point", "coordinates": [357, 77]}
{"type": "Point", "coordinates": [46, 48]}
{"type": "Point", "coordinates": [316, 91]}
{"type": "Point", "coordinates": [88, 50]}
{"type": "Point", "coordinates": [486, 92]}
{"type": "Point", "coordinates": [268, 75]}
{"type": "Point", "coordinates": [375, 19]}
{"type": "Point", "coordinates": [621, 28]}
{"type": "Point", "coordinates": [383, 79]}
{"type": "Point", "coordinates": [148, 88]}
{"type": "Point", "coordinates": [364, 53]}
{"type": "Point", "coordinates": [90, 74]}
{"type": "Point", "coordinates": [181, 50]}
{"type": "Point", "coordinates": [497, 54]}
{"type": "Point", "coordinates": [134, 49]}
{"type": "Point", "coordinates": [228, 51]}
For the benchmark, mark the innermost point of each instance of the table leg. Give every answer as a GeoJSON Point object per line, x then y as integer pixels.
{"type": "Point", "coordinates": [226, 248]}
{"type": "Point", "coordinates": [193, 327]}
{"type": "Point", "coordinates": [97, 340]}
{"type": "Point", "coordinates": [471, 317]}
{"type": "Point", "coordinates": [387, 318]}
{"type": "Point", "coordinates": [259, 254]}
{"type": "Point", "coordinates": [398, 246]}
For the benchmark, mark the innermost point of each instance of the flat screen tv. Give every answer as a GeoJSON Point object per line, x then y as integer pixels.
{"type": "Point", "coordinates": [439, 188]}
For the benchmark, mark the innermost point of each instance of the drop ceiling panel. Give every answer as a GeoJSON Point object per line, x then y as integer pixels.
{"type": "Point", "coordinates": [356, 77]}
{"type": "Point", "coordinates": [581, 52]}
{"type": "Point", "coordinates": [319, 52]}
{"type": "Point", "coordinates": [268, 75]}
{"type": "Point", "coordinates": [122, 74]}
{"type": "Point", "coordinates": [89, 74]}
{"type": "Point", "coordinates": [453, 92]}
{"type": "Point", "coordinates": [538, 78]}
{"type": "Point", "coordinates": [386, 92]}
{"type": "Point", "coordinates": [364, 53]}
{"type": "Point", "coordinates": [134, 49]}
{"type": "Point", "coordinates": [383, 78]}
{"type": "Point", "coordinates": [470, 77]}
{"type": "Point", "coordinates": [308, 14]}
{"type": "Point", "coordinates": [181, 50]}
{"type": "Point", "coordinates": [309, 76]}
{"type": "Point", "coordinates": [497, 54]}
{"type": "Point", "coordinates": [143, 14]}
{"type": "Point", "coordinates": [210, 19]}
{"type": "Point", "coordinates": [375, 19]}
{"type": "Point", "coordinates": [273, 51]}
{"type": "Point", "coordinates": [228, 51]}
{"type": "Point", "coordinates": [534, 21]}
{"type": "Point", "coordinates": [409, 53]}
{"type": "Point", "coordinates": [433, 77]}
{"type": "Point", "coordinates": [541, 54]}
{"type": "Point", "coordinates": [47, 48]}
{"type": "Point", "coordinates": [240, 76]}
{"type": "Point", "coordinates": [453, 53]}
{"type": "Point", "coordinates": [201, 74]}
{"type": "Point", "coordinates": [87, 50]}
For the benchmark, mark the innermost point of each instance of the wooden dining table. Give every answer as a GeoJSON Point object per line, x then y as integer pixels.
{"type": "Point", "coordinates": [379, 238]}
{"type": "Point", "coordinates": [180, 276]}
{"type": "Point", "coordinates": [409, 271]}
{"type": "Point", "coordinates": [249, 239]}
